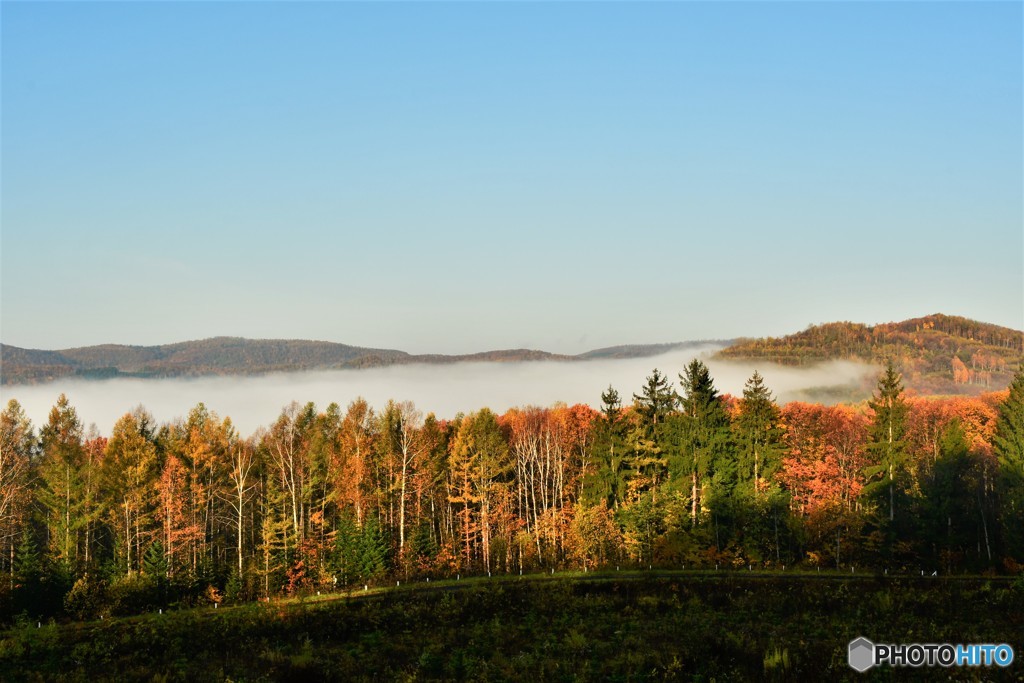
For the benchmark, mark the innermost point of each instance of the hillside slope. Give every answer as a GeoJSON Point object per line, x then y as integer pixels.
{"type": "Point", "coordinates": [647, 350]}
{"type": "Point", "coordinates": [217, 356]}
{"type": "Point", "coordinates": [238, 356]}
{"type": "Point", "coordinates": [937, 354]}
{"type": "Point", "coordinates": [220, 356]}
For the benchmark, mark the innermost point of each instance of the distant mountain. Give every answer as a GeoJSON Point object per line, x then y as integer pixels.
{"type": "Point", "coordinates": [235, 356]}
{"type": "Point", "coordinates": [937, 354]}
{"type": "Point", "coordinates": [217, 356]}
{"type": "Point", "coordinates": [500, 356]}
{"type": "Point", "coordinates": [647, 350]}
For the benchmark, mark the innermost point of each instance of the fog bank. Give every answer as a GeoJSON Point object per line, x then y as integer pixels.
{"type": "Point", "coordinates": [445, 390]}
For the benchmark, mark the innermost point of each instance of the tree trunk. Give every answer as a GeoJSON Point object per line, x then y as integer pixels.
{"type": "Point", "coordinates": [401, 508]}
{"type": "Point", "coordinates": [240, 534]}
{"type": "Point", "coordinates": [128, 537]}
{"type": "Point", "coordinates": [755, 471]}
{"type": "Point", "coordinates": [693, 498]}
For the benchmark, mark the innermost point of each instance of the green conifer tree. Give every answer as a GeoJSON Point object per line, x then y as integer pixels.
{"type": "Point", "coordinates": [655, 401]}
{"type": "Point", "coordinates": [948, 508]}
{"type": "Point", "coordinates": [648, 438]}
{"type": "Point", "coordinates": [345, 556]}
{"type": "Point", "coordinates": [1008, 445]}
{"type": "Point", "coordinates": [759, 436]}
{"type": "Point", "coordinates": [887, 440]}
{"type": "Point", "coordinates": [154, 562]}
{"type": "Point", "coordinates": [28, 564]}
{"type": "Point", "coordinates": [372, 551]}
{"type": "Point", "coordinates": [608, 481]}
{"type": "Point", "coordinates": [29, 589]}
{"type": "Point", "coordinates": [706, 444]}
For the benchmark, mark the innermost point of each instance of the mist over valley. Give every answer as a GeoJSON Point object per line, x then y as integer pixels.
{"type": "Point", "coordinates": [251, 380]}
{"type": "Point", "coordinates": [445, 390]}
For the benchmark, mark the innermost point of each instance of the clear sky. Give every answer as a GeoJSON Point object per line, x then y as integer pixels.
{"type": "Point", "coordinates": [467, 176]}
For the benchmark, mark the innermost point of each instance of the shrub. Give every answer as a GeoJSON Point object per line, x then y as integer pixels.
{"type": "Point", "coordinates": [87, 598]}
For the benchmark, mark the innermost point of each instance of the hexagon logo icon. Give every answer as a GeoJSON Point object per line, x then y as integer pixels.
{"type": "Point", "coordinates": [861, 655]}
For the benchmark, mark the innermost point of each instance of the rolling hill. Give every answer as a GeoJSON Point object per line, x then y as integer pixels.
{"type": "Point", "coordinates": [238, 356]}
{"type": "Point", "coordinates": [219, 356]}
{"type": "Point", "coordinates": [937, 354]}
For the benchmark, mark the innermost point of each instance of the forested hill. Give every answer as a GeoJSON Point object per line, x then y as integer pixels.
{"type": "Point", "coordinates": [937, 354]}
{"type": "Point", "coordinates": [217, 356]}
{"type": "Point", "coordinates": [237, 356]}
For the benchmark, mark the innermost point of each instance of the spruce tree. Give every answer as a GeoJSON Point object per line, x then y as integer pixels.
{"type": "Point", "coordinates": [656, 400]}
{"type": "Point", "coordinates": [373, 550]}
{"type": "Point", "coordinates": [28, 565]}
{"type": "Point", "coordinates": [706, 443]}
{"type": "Point", "coordinates": [29, 593]}
{"type": "Point", "coordinates": [653, 407]}
{"type": "Point", "coordinates": [887, 439]}
{"type": "Point", "coordinates": [611, 405]}
{"type": "Point", "coordinates": [607, 483]}
{"type": "Point", "coordinates": [759, 434]}
{"type": "Point", "coordinates": [948, 505]}
{"type": "Point", "coordinates": [154, 562]}
{"type": "Point", "coordinates": [1008, 445]}
{"type": "Point", "coordinates": [345, 558]}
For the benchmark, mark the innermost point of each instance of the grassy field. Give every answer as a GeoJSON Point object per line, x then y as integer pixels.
{"type": "Point", "coordinates": [616, 626]}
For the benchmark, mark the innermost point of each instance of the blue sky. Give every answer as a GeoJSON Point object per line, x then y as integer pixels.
{"type": "Point", "coordinates": [454, 177]}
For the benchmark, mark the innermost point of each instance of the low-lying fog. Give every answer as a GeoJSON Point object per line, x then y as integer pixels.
{"type": "Point", "coordinates": [445, 390]}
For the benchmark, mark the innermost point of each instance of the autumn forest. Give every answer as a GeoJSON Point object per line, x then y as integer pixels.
{"type": "Point", "coordinates": [673, 475]}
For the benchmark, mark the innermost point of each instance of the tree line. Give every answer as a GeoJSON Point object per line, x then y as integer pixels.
{"type": "Point", "coordinates": [680, 476]}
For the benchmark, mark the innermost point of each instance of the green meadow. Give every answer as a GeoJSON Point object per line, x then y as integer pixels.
{"type": "Point", "coordinates": [613, 626]}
